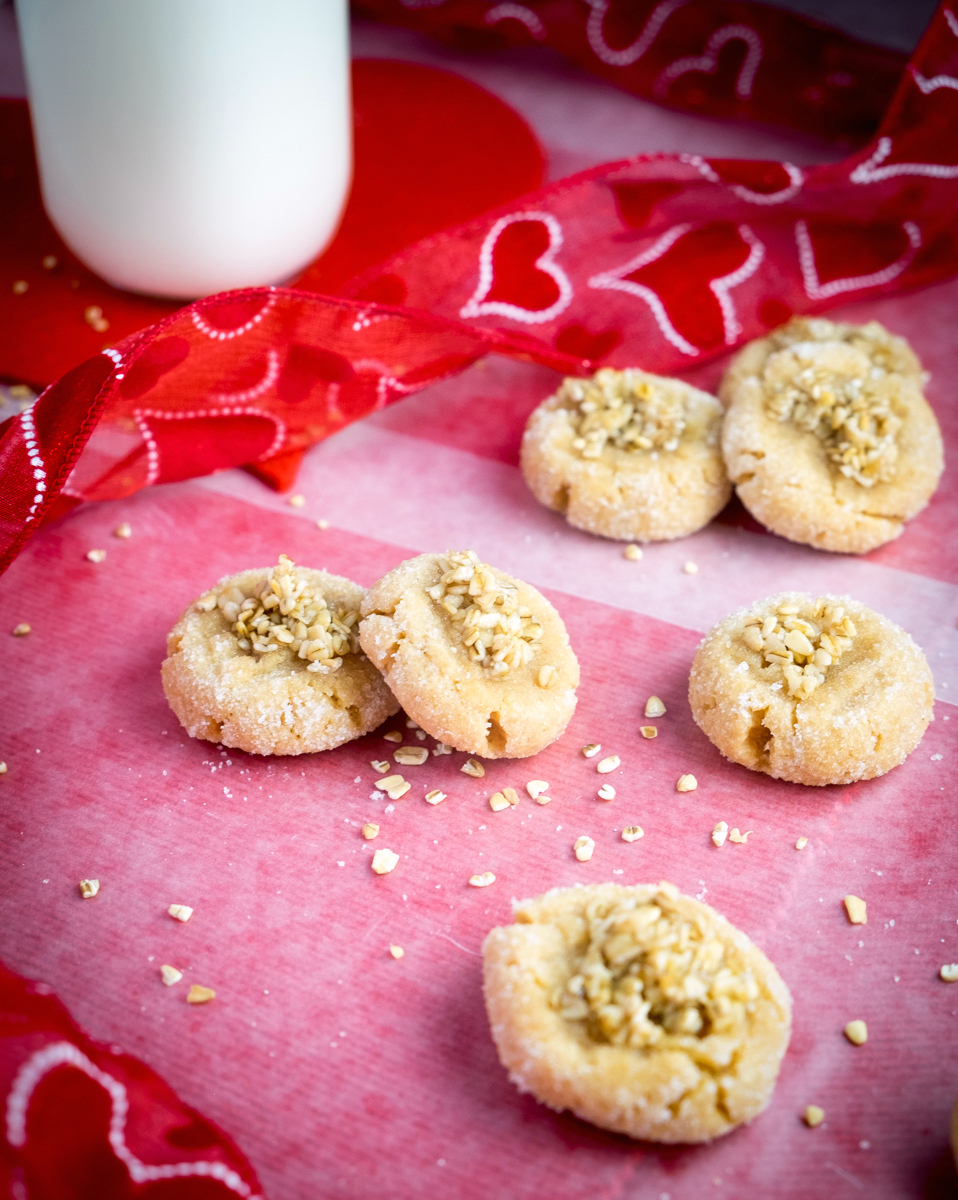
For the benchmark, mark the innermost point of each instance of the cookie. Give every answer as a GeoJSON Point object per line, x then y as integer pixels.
{"type": "Point", "coordinates": [827, 436]}
{"type": "Point", "coordinates": [812, 691]}
{"type": "Point", "coordinates": [628, 455]}
{"type": "Point", "coordinates": [480, 660]}
{"type": "Point", "coordinates": [268, 661]}
{"type": "Point", "coordinates": [639, 1009]}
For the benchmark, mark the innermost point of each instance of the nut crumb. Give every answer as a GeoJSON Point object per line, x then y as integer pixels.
{"type": "Point", "coordinates": [411, 724]}
{"type": "Point", "coordinates": [180, 912]}
{"type": "Point", "coordinates": [546, 675]}
{"type": "Point", "coordinates": [632, 552]}
{"type": "Point", "coordinates": [648, 731]}
{"type": "Point", "coordinates": [411, 756]}
{"type": "Point", "coordinates": [20, 286]}
{"type": "Point", "coordinates": [741, 838]}
{"type": "Point", "coordinates": [856, 1032]}
{"type": "Point", "coordinates": [123, 530]}
{"type": "Point", "coordinates": [498, 802]}
{"type": "Point", "coordinates": [591, 750]}
{"type": "Point", "coordinates": [801, 843]}
{"type": "Point", "coordinates": [536, 787]}
{"type": "Point", "coordinates": [394, 786]}
{"type": "Point", "coordinates": [89, 888]}
{"type": "Point", "coordinates": [384, 861]}
{"type": "Point", "coordinates": [96, 556]}
{"type": "Point", "coordinates": [50, 262]}
{"type": "Point", "coordinates": [393, 736]}
{"type": "Point", "coordinates": [609, 764]}
{"type": "Point", "coordinates": [3, 768]}
{"type": "Point", "coordinates": [691, 568]}
{"type": "Point", "coordinates": [606, 792]}
{"type": "Point", "coordinates": [686, 783]}
{"type": "Point", "coordinates": [370, 830]}
{"type": "Point", "coordinates": [441, 748]}
{"type": "Point", "coordinates": [435, 796]}
{"type": "Point", "coordinates": [20, 630]}
{"type": "Point", "coordinates": [632, 833]}
{"type": "Point", "coordinates": [397, 951]}
{"type": "Point", "coordinates": [813, 1115]}
{"type": "Point", "coordinates": [421, 735]}
{"type": "Point", "coordinates": [473, 767]}
{"type": "Point", "coordinates": [380, 765]}
{"type": "Point", "coordinates": [584, 848]}
{"type": "Point", "coordinates": [543, 798]}
{"type": "Point", "coordinates": [170, 975]}
{"type": "Point", "coordinates": [719, 834]}
{"type": "Point", "coordinates": [296, 501]}
{"type": "Point", "coordinates": [856, 909]}
{"type": "Point", "coordinates": [949, 973]}
{"type": "Point", "coordinates": [322, 523]}
{"type": "Point", "coordinates": [482, 880]}
{"type": "Point", "coordinates": [654, 707]}
{"type": "Point", "coordinates": [199, 994]}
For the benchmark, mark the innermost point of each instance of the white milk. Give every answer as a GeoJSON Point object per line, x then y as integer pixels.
{"type": "Point", "coordinates": [189, 146]}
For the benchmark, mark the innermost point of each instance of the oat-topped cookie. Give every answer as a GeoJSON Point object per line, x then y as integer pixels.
{"type": "Point", "coordinates": [628, 455]}
{"type": "Point", "coordinates": [269, 661]}
{"type": "Point", "coordinates": [828, 437]}
{"type": "Point", "coordinates": [814, 691]}
{"type": "Point", "coordinates": [638, 1008]}
{"type": "Point", "coordinates": [480, 660]}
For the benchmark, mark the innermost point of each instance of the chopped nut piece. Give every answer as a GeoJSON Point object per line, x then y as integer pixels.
{"type": "Point", "coordinates": [422, 735]}
{"type": "Point", "coordinates": [3, 768]}
{"type": "Point", "coordinates": [322, 523]}
{"type": "Point", "coordinates": [441, 748]}
{"type": "Point", "coordinates": [632, 833]}
{"type": "Point", "coordinates": [535, 788]}
{"type": "Point", "coordinates": [545, 676]}
{"type": "Point", "coordinates": [583, 847]}
{"type": "Point", "coordinates": [397, 951]}
{"type": "Point", "coordinates": [543, 798]}
{"type": "Point", "coordinates": [482, 880]}
{"type": "Point", "coordinates": [391, 781]}
{"type": "Point", "coordinates": [691, 568]}
{"type": "Point", "coordinates": [686, 783]}
{"type": "Point", "coordinates": [720, 833]}
{"type": "Point", "coordinates": [411, 756]}
{"type": "Point", "coordinates": [123, 530]}
{"type": "Point", "coordinates": [802, 648]}
{"type": "Point", "coordinates": [199, 994]}
{"type": "Point", "coordinates": [856, 909]}
{"type": "Point", "coordinates": [606, 792]}
{"type": "Point", "coordinates": [949, 973]}
{"type": "Point", "coordinates": [648, 731]}
{"type": "Point", "coordinates": [398, 790]}
{"type": "Point", "coordinates": [96, 556]}
{"type": "Point", "coordinates": [654, 707]}
{"type": "Point", "coordinates": [741, 838]}
{"type": "Point", "coordinates": [498, 802]}
{"type": "Point", "coordinates": [380, 765]}
{"type": "Point", "coordinates": [813, 1115]}
{"type": "Point", "coordinates": [393, 736]}
{"type": "Point", "coordinates": [411, 724]}
{"type": "Point", "coordinates": [609, 764]}
{"type": "Point", "coordinates": [623, 411]}
{"type": "Point", "coordinates": [296, 501]}
{"type": "Point", "coordinates": [370, 830]}
{"type": "Point", "coordinates": [170, 975]}
{"type": "Point", "coordinates": [511, 795]}
{"type": "Point", "coordinates": [384, 861]}
{"type": "Point", "coordinates": [857, 1032]}
{"type": "Point", "coordinates": [473, 767]}
{"type": "Point", "coordinates": [801, 843]}
{"type": "Point", "coordinates": [89, 888]}
{"type": "Point", "coordinates": [50, 262]}
{"type": "Point", "coordinates": [180, 912]}
{"type": "Point", "coordinates": [20, 286]}
{"type": "Point", "coordinates": [591, 750]}
{"type": "Point", "coordinates": [632, 552]}
{"type": "Point", "coordinates": [435, 796]}
{"type": "Point", "coordinates": [20, 630]}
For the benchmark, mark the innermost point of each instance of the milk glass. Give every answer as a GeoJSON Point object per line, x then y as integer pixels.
{"type": "Point", "coordinates": [190, 146]}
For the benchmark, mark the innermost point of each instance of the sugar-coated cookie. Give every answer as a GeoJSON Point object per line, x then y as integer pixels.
{"type": "Point", "coordinates": [480, 660]}
{"type": "Point", "coordinates": [639, 1009]}
{"type": "Point", "coordinates": [827, 436]}
{"type": "Point", "coordinates": [628, 455]}
{"type": "Point", "coordinates": [814, 691]}
{"type": "Point", "coordinates": [268, 661]}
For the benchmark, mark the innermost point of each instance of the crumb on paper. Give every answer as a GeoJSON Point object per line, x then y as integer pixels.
{"type": "Point", "coordinates": [199, 994]}
{"type": "Point", "coordinates": [740, 838]}
{"type": "Point", "coordinates": [89, 888]}
{"type": "Point", "coordinates": [20, 630]}
{"type": "Point", "coordinates": [473, 767]}
{"type": "Point", "coordinates": [435, 796]}
{"type": "Point", "coordinates": [384, 861]}
{"type": "Point", "coordinates": [856, 909]}
{"type": "Point", "coordinates": [609, 764]}
{"type": "Point", "coordinates": [632, 833]}
{"type": "Point", "coordinates": [322, 523]}
{"type": "Point", "coordinates": [397, 951]}
{"type": "Point", "coordinates": [180, 912]}
{"type": "Point", "coordinates": [3, 768]}
{"type": "Point", "coordinates": [20, 286]}
{"type": "Point", "coordinates": [441, 748]}
{"type": "Point", "coordinates": [543, 798]}
{"type": "Point", "coordinates": [422, 735]}
{"type": "Point", "coordinates": [648, 731]}
{"type": "Point", "coordinates": [591, 750]}
{"type": "Point", "coordinates": [393, 736]}
{"type": "Point", "coordinates": [606, 792]}
{"type": "Point", "coordinates": [380, 765]}
{"type": "Point", "coordinates": [801, 843]}
{"type": "Point", "coordinates": [584, 848]}
{"type": "Point", "coordinates": [123, 531]}
{"type": "Point", "coordinates": [411, 756]}
{"type": "Point", "coordinates": [719, 834]}
{"type": "Point", "coordinates": [536, 787]}
{"type": "Point", "coordinates": [483, 880]}
{"type": "Point", "coordinates": [654, 707]}
{"type": "Point", "coordinates": [50, 262]}
{"type": "Point", "coordinates": [949, 972]}
{"type": "Point", "coordinates": [632, 552]}
{"type": "Point", "coordinates": [170, 975]}
{"type": "Point", "coordinates": [370, 830]}
{"type": "Point", "coordinates": [96, 556]}
{"type": "Point", "coordinates": [296, 501]}
{"type": "Point", "coordinates": [856, 1032]}
{"type": "Point", "coordinates": [93, 315]}
{"type": "Point", "coordinates": [394, 786]}
{"type": "Point", "coordinates": [691, 568]}
{"type": "Point", "coordinates": [411, 724]}
{"type": "Point", "coordinates": [686, 783]}
{"type": "Point", "coordinates": [507, 798]}
{"type": "Point", "coordinates": [813, 1116]}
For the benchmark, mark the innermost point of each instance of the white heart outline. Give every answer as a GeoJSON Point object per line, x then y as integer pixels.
{"type": "Point", "coordinates": [225, 335]}
{"type": "Point", "coordinates": [477, 306]}
{"type": "Point", "coordinates": [628, 54]}
{"type": "Point", "coordinates": [141, 415]}
{"type": "Point", "coordinates": [720, 287]}
{"type": "Point", "coordinates": [816, 290]}
{"type": "Point", "coordinates": [707, 63]}
{"type": "Point", "coordinates": [517, 12]}
{"type": "Point", "coordinates": [871, 171]}
{"type": "Point", "coordinates": [795, 175]}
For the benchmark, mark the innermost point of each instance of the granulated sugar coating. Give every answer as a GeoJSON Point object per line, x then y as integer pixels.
{"type": "Point", "coordinates": [467, 657]}
{"type": "Point", "coordinates": [637, 1008]}
{"type": "Point", "coordinates": [813, 691]}
{"type": "Point", "coordinates": [628, 455]}
{"type": "Point", "coordinates": [828, 438]}
{"type": "Point", "coordinates": [229, 688]}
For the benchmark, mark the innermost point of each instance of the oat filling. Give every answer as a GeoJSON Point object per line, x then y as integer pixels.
{"type": "Point", "coordinates": [803, 648]}
{"type": "Point", "coordinates": [286, 613]}
{"type": "Point", "coordinates": [651, 979]}
{"type": "Point", "coordinates": [496, 630]}
{"type": "Point", "coordinates": [624, 410]}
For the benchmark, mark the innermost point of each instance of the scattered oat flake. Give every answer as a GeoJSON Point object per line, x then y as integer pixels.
{"type": "Point", "coordinates": [691, 568]}
{"type": "Point", "coordinates": [801, 843]}
{"type": "Point", "coordinates": [96, 556]}
{"type": "Point", "coordinates": [856, 909]}
{"type": "Point", "coordinates": [483, 880]}
{"type": "Point", "coordinates": [89, 888]}
{"type": "Point", "coordinates": [380, 765]}
{"type": "Point", "coordinates": [606, 792]}
{"type": "Point", "coordinates": [632, 552]}
{"type": "Point", "coordinates": [398, 790]}
{"type": "Point", "coordinates": [741, 838]}
{"type": "Point", "coordinates": [654, 707]}
{"type": "Point", "coordinates": [393, 736]}
{"type": "Point", "coordinates": [648, 731]}
{"type": "Point", "coordinates": [632, 833]}
{"type": "Point", "coordinates": [370, 830]}
{"type": "Point", "coordinates": [411, 756]}
{"type": "Point", "coordinates": [199, 994]}
{"type": "Point", "coordinates": [584, 848]}
{"type": "Point", "coordinates": [441, 748]}
{"type": "Point", "coordinates": [609, 764]}
{"type": "Point", "coordinates": [949, 973]}
{"type": "Point", "coordinates": [384, 861]}
{"type": "Point", "coordinates": [180, 912]}
{"type": "Point", "coordinates": [473, 767]}
{"type": "Point", "coordinates": [391, 781]}
{"type": "Point", "coordinates": [813, 1115]}
{"type": "Point", "coordinates": [170, 975]}
{"type": "Point", "coordinates": [397, 951]}
{"type": "Point", "coordinates": [856, 1032]}
{"type": "Point", "coordinates": [536, 787]}
{"type": "Point", "coordinates": [591, 750]}
{"type": "Point", "coordinates": [720, 833]}
{"type": "Point", "coordinates": [686, 783]}
{"type": "Point", "coordinates": [123, 531]}
{"type": "Point", "coordinates": [296, 501]}
{"type": "Point", "coordinates": [435, 796]}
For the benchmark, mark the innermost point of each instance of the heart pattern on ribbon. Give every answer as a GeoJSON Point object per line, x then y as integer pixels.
{"type": "Point", "coordinates": [755, 182]}
{"type": "Point", "coordinates": [180, 445]}
{"type": "Point", "coordinates": [518, 275]}
{"type": "Point", "coordinates": [846, 256]}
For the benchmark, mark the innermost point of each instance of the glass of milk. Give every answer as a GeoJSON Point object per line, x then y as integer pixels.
{"type": "Point", "coordinates": [190, 146]}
